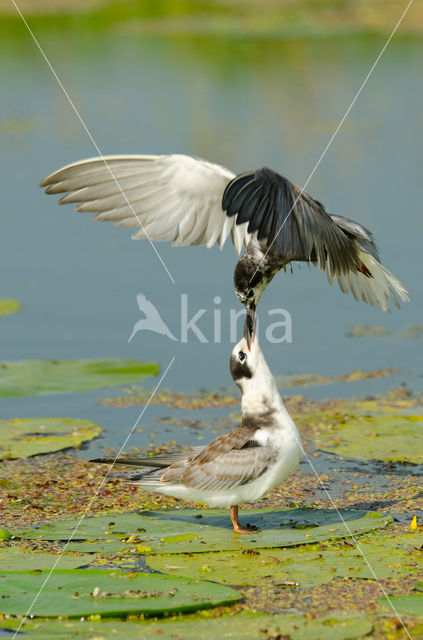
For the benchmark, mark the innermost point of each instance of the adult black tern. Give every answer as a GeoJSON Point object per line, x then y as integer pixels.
{"type": "Point", "coordinates": [190, 201]}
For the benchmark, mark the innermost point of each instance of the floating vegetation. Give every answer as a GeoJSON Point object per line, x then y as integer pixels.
{"type": "Point", "coordinates": [318, 577]}
{"type": "Point", "coordinates": [412, 332]}
{"type": "Point", "coordinates": [367, 331]}
{"type": "Point", "coordinates": [9, 306]}
{"type": "Point", "coordinates": [24, 437]}
{"type": "Point", "coordinates": [19, 559]}
{"type": "Point", "coordinates": [201, 399]}
{"type": "Point", "coordinates": [194, 531]}
{"type": "Point", "coordinates": [37, 377]}
{"type": "Point", "coordinates": [389, 438]}
{"type": "Point", "coordinates": [204, 627]}
{"type": "Point", "coordinates": [411, 604]}
{"type": "Point", "coordinates": [307, 566]}
{"type": "Point", "coordinates": [208, 398]}
{"type": "Point", "coordinates": [309, 380]}
{"type": "Point", "coordinates": [88, 592]}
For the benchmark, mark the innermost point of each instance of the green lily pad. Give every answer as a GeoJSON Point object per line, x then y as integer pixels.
{"type": "Point", "coordinates": [411, 605]}
{"type": "Point", "coordinates": [302, 565]}
{"type": "Point", "coordinates": [24, 437]}
{"type": "Point", "coordinates": [388, 438]}
{"type": "Point", "coordinates": [17, 559]}
{"type": "Point", "coordinates": [94, 591]}
{"type": "Point", "coordinates": [262, 627]}
{"type": "Point", "coordinates": [278, 566]}
{"type": "Point", "coordinates": [37, 377]}
{"type": "Point", "coordinates": [107, 547]}
{"type": "Point", "coordinates": [210, 529]}
{"type": "Point", "coordinates": [9, 306]}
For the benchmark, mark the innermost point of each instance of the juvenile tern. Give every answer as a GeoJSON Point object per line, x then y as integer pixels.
{"type": "Point", "coordinates": [241, 465]}
{"type": "Point", "coordinates": [193, 202]}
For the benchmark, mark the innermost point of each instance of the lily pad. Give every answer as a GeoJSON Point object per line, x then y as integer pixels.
{"type": "Point", "coordinates": [302, 565]}
{"type": "Point", "coordinates": [95, 591]}
{"type": "Point", "coordinates": [251, 568]}
{"type": "Point", "coordinates": [17, 559]}
{"type": "Point", "coordinates": [236, 627]}
{"type": "Point", "coordinates": [185, 530]}
{"type": "Point", "coordinates": [37, 377]}
{"type": "Point", "coordinates": [411, 605]}
{"type": "Point", "coordinates": [107, 547]}
{"type": "Point", "coordinates": [388, 438]}
{"type": "Point", "coordinates": [9, 306]}
{"type": "Point", "coordinates": [24, 437]}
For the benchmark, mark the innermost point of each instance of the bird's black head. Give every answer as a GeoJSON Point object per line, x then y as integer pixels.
{"type": "Point", "coordinates": [248, 283]}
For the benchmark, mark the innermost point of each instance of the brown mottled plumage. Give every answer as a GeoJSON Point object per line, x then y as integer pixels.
{"type": "Point", "coordinates": [243, 464]}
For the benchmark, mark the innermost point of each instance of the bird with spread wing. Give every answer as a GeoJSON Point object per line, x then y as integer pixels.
{"type": "Point", "coordinates": [190, 201]}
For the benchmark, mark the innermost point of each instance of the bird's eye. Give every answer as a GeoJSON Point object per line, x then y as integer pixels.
{"type": "Point", "coordinates": [242, 356]}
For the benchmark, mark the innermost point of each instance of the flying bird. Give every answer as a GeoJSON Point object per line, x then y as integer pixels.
{"type": "Point", "coordinates": [193, 202]}
{"type": "Point", "coordinates": [152, 320]}
{"type": "Point", "coordinates": [239, 466]}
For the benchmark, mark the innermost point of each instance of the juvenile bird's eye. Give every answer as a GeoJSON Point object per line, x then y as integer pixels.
{"type": "Point", "coordinates": [242, 356]}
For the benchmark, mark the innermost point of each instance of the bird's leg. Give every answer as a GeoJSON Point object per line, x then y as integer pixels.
{"type": "Point", "coordinates": [233, 514]}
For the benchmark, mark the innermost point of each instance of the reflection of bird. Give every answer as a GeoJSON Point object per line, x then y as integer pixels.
{"type": "Point", "coordinates": [152, 320]}
{"type": "Point", "coordinates": [190, 201]}
{"type": "Point", "coordinates": [243, 464]}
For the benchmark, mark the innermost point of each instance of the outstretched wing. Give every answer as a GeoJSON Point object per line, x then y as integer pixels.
{"type": "Point", "coordinates": [292, 223]}
{"type": "Point", "coordinates": [370, 281]}
{"type": "Point", "coordinates": [230, 460]}
{"type": "Point", "coordinates": [173, 197]}
{"type": "Point", "coordinates": [359, 233]}
{"type": "Point", "coordinates": [373, 284]}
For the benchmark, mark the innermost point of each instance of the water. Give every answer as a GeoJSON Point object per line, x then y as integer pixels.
{"type": "Point", "coordinates": [239, 102]}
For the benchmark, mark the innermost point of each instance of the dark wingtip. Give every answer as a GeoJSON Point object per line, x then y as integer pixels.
{"type": "Point", "coordinates": [233, 188]}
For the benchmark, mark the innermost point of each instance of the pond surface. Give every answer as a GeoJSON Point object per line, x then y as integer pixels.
{"type": "Point", "coordinates": [240, 102]}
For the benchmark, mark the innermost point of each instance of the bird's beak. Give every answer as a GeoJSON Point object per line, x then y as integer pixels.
{"type": "Point", "coordinates": [250, 328]}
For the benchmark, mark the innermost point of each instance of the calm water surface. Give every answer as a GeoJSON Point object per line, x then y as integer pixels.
{"type": "Point", "coordinates": [242, 103]}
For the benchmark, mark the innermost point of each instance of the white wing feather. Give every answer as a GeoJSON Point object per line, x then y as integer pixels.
{"type": "Point", "coordinates": [173, 197]}
{"type": "Point", "coordinates": [376, 290]}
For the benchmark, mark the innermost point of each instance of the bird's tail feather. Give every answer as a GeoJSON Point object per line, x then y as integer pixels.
{"type": "Point", "coordinates": [158, 461]}
{"type": "Point", "coordinates": [131, 462]}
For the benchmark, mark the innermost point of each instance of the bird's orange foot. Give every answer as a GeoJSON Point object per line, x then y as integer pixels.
{"type": "Point", "coordinates": [233, 514]}
{"type": "Point", "coordinates": [247, 529]}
